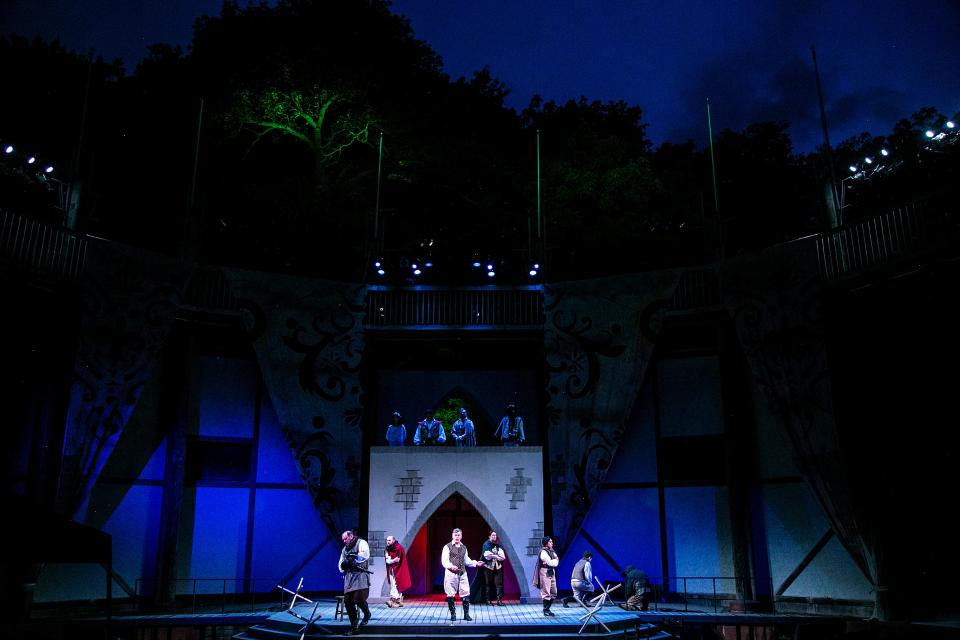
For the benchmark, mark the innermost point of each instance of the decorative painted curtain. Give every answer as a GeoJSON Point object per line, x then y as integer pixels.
{"type": "Point", "coordinates": [128, 302]}
{"type": "Point", "coordinates": [598, 338]}
{"type": "Point", "coordinates": [308, 338]}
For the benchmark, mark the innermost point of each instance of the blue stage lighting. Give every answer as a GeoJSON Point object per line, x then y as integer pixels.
{"type": "Point", "coordinates": [416, 272]}
{"type": "Point", "coordinates": [490, 274]}
{"type": "Point", "coordinates": [476, 264]}
{"type": "Point", "coordinates": [950, 124]}
{"type": "Point", "coordinates": [489, 267]}
{"type": "Point", "coordinates": [929, 133]}
{"type": "Point", "coordinates": [49, 169]}
{"type": "Point", "coordinates": [533, 272]}
{"type": "Point", "coordinates": [378, 263]}
{"type": "Point", "coordinates": [853, 169]}
{"type": "Point", "coordinates": [8, 149]}
{"type": "Point", "coordinates": [380, 272]}
{"type": "Point", "coordinates": [428, 264]}
{"type": "Point", "coordinates": [868, 160]}
{"type": "Point", "coordinates": [884, 153]}
{"type": "Point", "coordinates": [31, 159]}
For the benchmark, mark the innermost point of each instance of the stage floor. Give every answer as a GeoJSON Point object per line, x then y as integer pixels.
{"type": "Point", "coordinates": [432, 618]}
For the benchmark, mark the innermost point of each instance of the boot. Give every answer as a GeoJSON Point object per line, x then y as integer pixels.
{"type": "Point", "coordinates": [453, 610]}
{"type": "Point", "coordinates": [546, 608]}
{"type": "Point", "coordinates": [366, 613]}
{"type": "Point", "coordinates": [565, 601]}
{"type": "Point", "coordinates": [499, 596]}
{"type": "Point", "coordinates": [353, 623]}
{"type": "Point", "coordinates": [466, 609]}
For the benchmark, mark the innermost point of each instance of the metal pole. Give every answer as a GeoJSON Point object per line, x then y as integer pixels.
{"type": "Point", "coordinates": [376, 207]}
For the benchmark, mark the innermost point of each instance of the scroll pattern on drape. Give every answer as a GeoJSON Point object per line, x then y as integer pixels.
{"type": "Point", "coordinates": [776, 303]}
{"type": "Point", "coordinates": [598, 338]}
{"type": "Point", "coordinates": [128, 302]}
{"type": "Point", "coordinates": [308, 338]}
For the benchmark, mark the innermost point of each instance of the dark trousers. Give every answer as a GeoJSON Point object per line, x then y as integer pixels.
{"type": "Point", "coordinates": [354, 599]}
{"type": "Point", "coordinates": [494, 581]}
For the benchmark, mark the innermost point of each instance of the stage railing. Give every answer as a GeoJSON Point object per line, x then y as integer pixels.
{"type": "Point", "coordinates": [458, 308]}
{"type": "Point", "coordinates": [699, 593]}
{"type": "Point", "coordinates": [216, 594]}
{"type": "Point", "coordinates": [42, 248]}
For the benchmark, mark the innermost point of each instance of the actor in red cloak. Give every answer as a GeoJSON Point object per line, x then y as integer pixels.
{"type": "Point", "coordinates": [397, 571]}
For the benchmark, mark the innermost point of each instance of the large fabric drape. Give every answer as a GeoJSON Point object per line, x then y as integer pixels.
{"type": "Point", "coordinates": [776, 301]}
{"type": "Point", "coordinates": [308, 338]}
{"type": "Point", "coordinates": [598, 339]}
{"type": "Point", "coordinates": [128, 303]}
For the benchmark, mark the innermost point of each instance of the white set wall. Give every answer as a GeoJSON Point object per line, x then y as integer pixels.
{"type": "Point", "coordinates": [487, 477]}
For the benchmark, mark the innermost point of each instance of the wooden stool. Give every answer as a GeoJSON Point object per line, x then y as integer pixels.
{"type": "Point", "coordinates": [340, 610]}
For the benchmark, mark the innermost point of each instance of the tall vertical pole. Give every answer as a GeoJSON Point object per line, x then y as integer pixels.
{"type": "Point", "coordinates": [826, 142]}
{"type": "Point", "coordinates": [541, 229]}
{"type": "Point", "coordinates": [377, 244]}
{"type": "Point", "coordinates": [71, 210]}
{"type": "Point", "coordinates": [713, 174]}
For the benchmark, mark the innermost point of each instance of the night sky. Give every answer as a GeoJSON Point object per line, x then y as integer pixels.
{"type": "Point", "coordinates": [879, 61]}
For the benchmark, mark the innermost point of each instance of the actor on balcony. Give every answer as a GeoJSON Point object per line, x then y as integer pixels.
{"type": "Point", "coordinates": [510, 431]}
{"type": "Point", "coordinates": [462, 431]}
{"type": "Point", "coordinates": [396, 431]}
{"type": "Point", "coordinates": [429, 431]}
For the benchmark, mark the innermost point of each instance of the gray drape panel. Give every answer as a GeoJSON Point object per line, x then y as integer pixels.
{"type": "Point", "coordinates": [598, 338]}
{"type": "Point", "coordinates": [776, 302]}
{"type": "Point", "coordinates": [308, 338]}
{"type": "Point", "coordinates": [128, 302]}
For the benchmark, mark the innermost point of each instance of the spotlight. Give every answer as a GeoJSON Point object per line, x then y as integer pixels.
{"type": "Point", "coordinates": [950, 124]}
{"type": "Point", "coordinates": [853, 168]}
{"type": "Point", "coordinates": [416, 272]}
{"type": "Point", "coordinates": [489, 266]}
{"type": "Point", "coordinates": [31, 159]}
{"type": "Point", "coordinates": [414, 267]}
{"type": "Point", "coordinates": [49, 169]}
{"type": "Point", "coordinates": [929, 133]}
{"type": "Point", "coordinates": [491, 273]}
{"type": "Point", "coordinates": [476, 264]}
{"type": "Point", "coordinates": [533, 272]}
{"type": "Point", "coordinates": [884, 153]}
{"type": "Point", "coordinates": [868, 160]}
{"type": "Point", "coordinates": [427, 264]}
{"type": "Point", "coordinates": [378, 263]}
{"type": "Point", "coordinates": [8, 149]}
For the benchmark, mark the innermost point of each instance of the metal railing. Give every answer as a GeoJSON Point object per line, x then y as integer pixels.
{"type": "Point", "coordinates": [711, 593]}
{"type": "Point", "coordinates": [871, 243]}
{"type": "Point", "coordinates": [221, 595]}
{"type": "Point", "coordinates": [470, 307]}
{"type": "Point", "coordinates": [42, 248]}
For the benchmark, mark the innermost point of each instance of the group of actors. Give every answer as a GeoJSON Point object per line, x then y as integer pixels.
{"type": "Point", "coordinates": [355, 556]}
{"type": "Point", "coordinates": [430, 431]}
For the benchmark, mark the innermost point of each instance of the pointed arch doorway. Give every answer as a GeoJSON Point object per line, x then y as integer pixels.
{"type": "Point", "coordinates": [424, 552]}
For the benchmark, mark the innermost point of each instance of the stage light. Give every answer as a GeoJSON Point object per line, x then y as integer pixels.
{"type": "Point", "coordinates": [533, 272]}
{"type": "Point", "coordinates": [491, 273]}
{"type": "Point", "coordinates": [929, 133]}
{"type": "Point", "coordinates": [417, 272]}
{"type": "Point", "coordinates": [884, 153]}
{"type": "Point", "coordinates": [8, 149]}
{"type": "Point", "coordinates": [476, 264]}
{"type": "Point", "coordinates": [31, 159]}
{"type": "Point", "coordinates": [427, 264]}
{"type": "Point", "coordinates": [380, 272]}
{"type": "Point", "coordinates": [49, 169]}
{"type": "Point", "coordinates": [378, 263]}
{"type": "Point", "coordinates": [490, 266]}
{"type": "Point", "coordinates": [414, 266]}
{"type": "Point", "coordinates": [950, 124]}
{"type": "Point", "coordinates": [868, 160]}
{"type": "Point", "coordinates": [853, 169]}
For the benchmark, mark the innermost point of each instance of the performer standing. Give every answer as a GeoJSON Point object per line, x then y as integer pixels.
{"type": "Point", "coordinates": [493, 559]}
{"type": "Point", "coordinates": [545, 574]}
{"type": "Point", "coordinates": [429, 431]}
{"type": "Point", "coordinates": [581, 581]}
{"type": "Point", "coordinates": [455, 560]}
{"type": "Point", "coordinates": [356, 577]}
{"type": "Point", "coordinates": [510, 430]}
{"type": "Point", "coordinates": [462, 431]}
{"type": "Point", "coordinates": [398, 575]}
{"type": "Point", "coordinates": [396, 431]}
